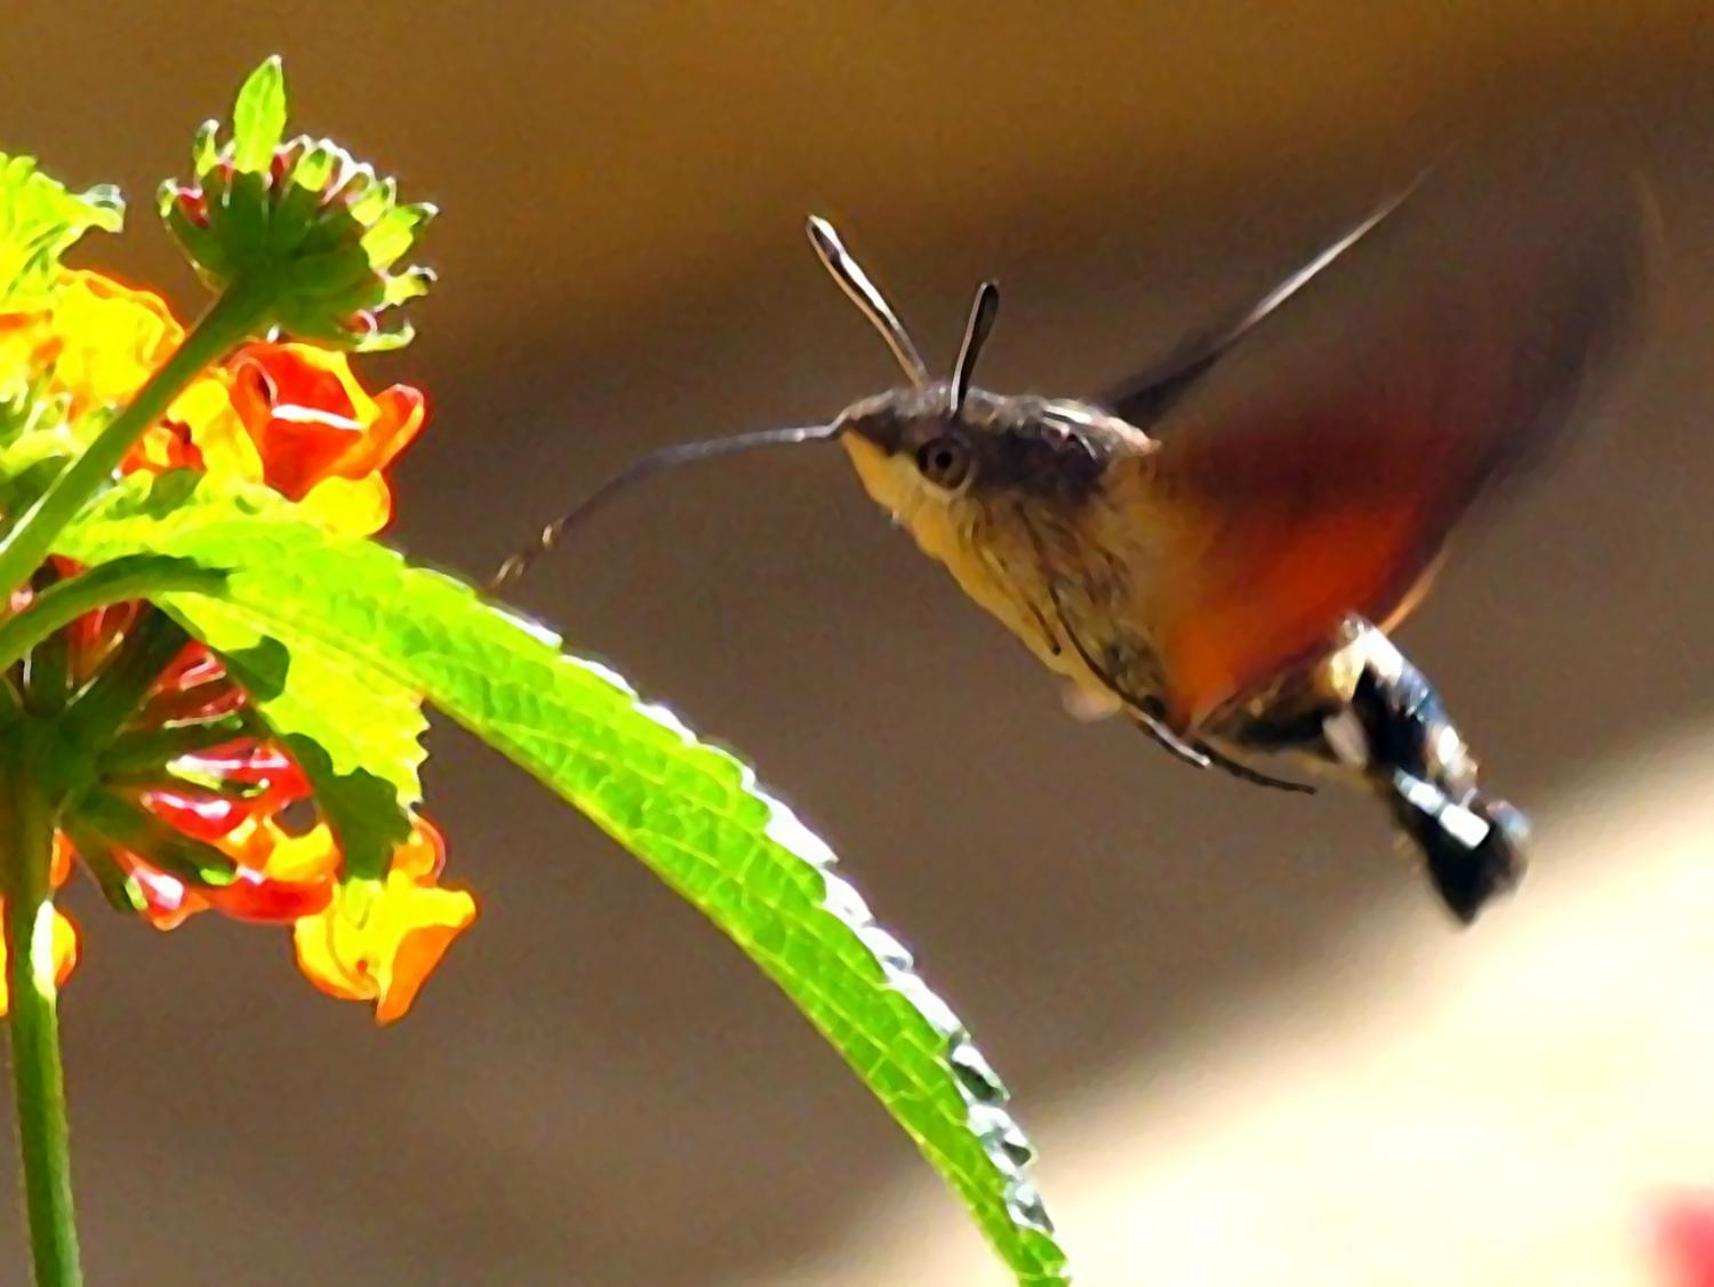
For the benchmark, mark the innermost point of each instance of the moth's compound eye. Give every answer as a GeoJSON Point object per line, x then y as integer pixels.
{"type": "Point", "coordinates": [945, 461]}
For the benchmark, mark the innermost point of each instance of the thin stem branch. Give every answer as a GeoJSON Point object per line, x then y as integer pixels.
{"type": "Point", "coordinates": [101, 710]}
{"type": "Point", "coordinates": [235, 316]}
{"type": "Point", "coordinates": [46, 669]}
{"type": "Point", "coordinates": [132, 576]}
{"type": "Point", "coordinates": [38, 1078]}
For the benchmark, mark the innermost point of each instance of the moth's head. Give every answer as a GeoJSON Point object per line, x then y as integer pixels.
{"type": "Point", "coordinates": [926, 451]}
{"type": "Point", "coordinates": [915, 455]}
{"type": "Point", "coordinates": [932, 445]}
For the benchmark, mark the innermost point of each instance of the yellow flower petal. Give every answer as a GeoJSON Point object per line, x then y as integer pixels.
{"type": "Point", "coordinates": [64, 948]}
{"type": "Point", "coordinates": [350, 506]}
{"type": "Point", "coordinates": [111, 338]}
{"type": "Point", "coordinates": [216, 431]}
{"type": "Point", "coordinates": [379, 940]}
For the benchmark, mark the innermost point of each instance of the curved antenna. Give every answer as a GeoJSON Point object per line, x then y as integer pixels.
{"type": "Point", "coordinates": [867, 296]}
{"type": "Point", "coordinates": [976, 332]}
{"type": "Point", "coordinates": [664, 458]}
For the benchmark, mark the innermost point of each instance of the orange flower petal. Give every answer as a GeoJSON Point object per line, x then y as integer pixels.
{"type": "Point", "coordinates": [420, 950]}
{"type": "Point", "coordinates": [160, 449]}
{"type": "Point", "coordinates": [303, 409]}
{"type": "Point", "coordinates": [380, 940]}
{"type": "Point", "coordinates": [1684, 1235]}
{"type": "Point", "coordinates": [422, 854]}
{"type": "Point", "coordinates": [399, 414]}
{"type": "Point", "coordinates": [28, 346]}
{"type": "Point", "coordinates": [264, 847]}
{"type": "Point", "coordinates": [264, 900]}
{"type": "Point", "coordinates": [202, 815]}
{"type": "Point", "coordinates": [311, 422]}
{"type": "Point", "coordinates": [59, 867]}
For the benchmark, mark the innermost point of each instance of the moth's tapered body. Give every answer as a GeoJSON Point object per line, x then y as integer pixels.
{"type": "Point", "coordinates": [1212, 568]}
{"type": "Point", "coordinates": [1049, 515]}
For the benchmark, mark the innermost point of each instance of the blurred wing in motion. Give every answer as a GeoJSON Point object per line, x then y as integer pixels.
{"type": "Point", "coordinates": [1351, 431]}
{"type": "Point", "coordinates": [1147, 397]}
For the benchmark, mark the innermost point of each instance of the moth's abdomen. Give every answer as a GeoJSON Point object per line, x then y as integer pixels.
{"type": "Point", "coordinates": [1367, 713]}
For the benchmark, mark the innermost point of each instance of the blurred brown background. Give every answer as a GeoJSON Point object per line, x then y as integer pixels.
{"type": "Point", "coordinates": [1249, 1045]}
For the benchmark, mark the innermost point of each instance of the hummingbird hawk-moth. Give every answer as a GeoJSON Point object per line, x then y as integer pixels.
{"type": "Point", "coordinates": [1217, 548]}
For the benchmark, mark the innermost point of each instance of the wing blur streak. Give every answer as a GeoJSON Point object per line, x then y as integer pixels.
{"type": "Point", "coordinates": [1145, 398]}
{"type": "Point", "coordinates": [1317, 470]}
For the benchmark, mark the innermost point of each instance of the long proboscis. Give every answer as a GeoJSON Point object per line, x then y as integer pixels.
{"type": "Point", "coordinates": [655, 462]}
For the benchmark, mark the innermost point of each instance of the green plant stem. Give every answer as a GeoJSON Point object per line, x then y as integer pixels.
{"type": "Point", "coordinates": [134, 576]}
{"type": "Point", "coordinates": [38, 1079]}
{"type": "Point", "coordinates": [238, 314]}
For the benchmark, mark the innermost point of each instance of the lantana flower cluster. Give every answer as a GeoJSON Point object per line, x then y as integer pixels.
{"type": "Point", "coordinates": [198, 808]}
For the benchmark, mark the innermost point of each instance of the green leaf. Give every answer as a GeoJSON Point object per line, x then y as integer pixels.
{"type": "Point", "coordinates": [259, 117]}
{"type": "Point", "coordinates": [39, 221]}
{"type": "Point", "coordinates": [365, 722]}
{"type": "Point", "coordinates": [134, 576]}
{"type": "Point", "coordinates": [316, 163]}
{"type": "Point", "coordinates": [205, 148]}
{"type": "Point", "coordinates": [691, 811]}
{"type": "Point", "coordinates": [395, 232]}
{"type": "Point", "coordinates": [366, 811]}
{"type": "Point", "coordinates": [363, 809]}
{"type": "Point", "coordinates": [368, 196]}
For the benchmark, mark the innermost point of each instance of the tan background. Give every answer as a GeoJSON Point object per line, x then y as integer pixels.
{"type": "Point", "coordinates": [1249, 1045]}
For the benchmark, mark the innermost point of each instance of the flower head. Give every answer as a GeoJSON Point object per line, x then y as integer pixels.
{"type": "Point", "coordinates": [319, 228]}
{"type": "Point", "coordinates": [188, 809]}
{"type": "Point", "coordinates": [190, 804]}
{"type": "Point", "coordinates": [295, 418]}
{"type": "Point", "coordinates": [172, 787]}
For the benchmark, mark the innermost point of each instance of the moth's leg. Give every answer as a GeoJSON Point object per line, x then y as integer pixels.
{"type": "Point", "coordinates": [1110, 667]}
{"type": "Point", "coordinates": [1368, 711]}
{"type": "Point", "coordinates": [1149, 714]}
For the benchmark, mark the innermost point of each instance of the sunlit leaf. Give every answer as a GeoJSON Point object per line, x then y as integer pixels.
{"type": "Point", "coordinates": [39, 220]}
{"type": "Point", "coordinates": [259, 117]}
{"type": "Point", "coordinates": [691, 811]}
